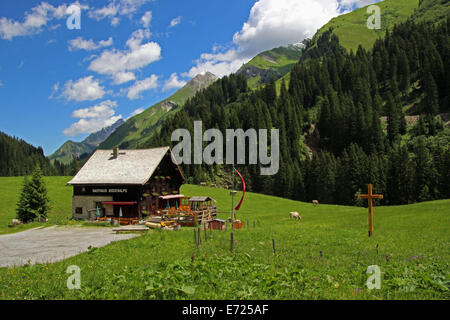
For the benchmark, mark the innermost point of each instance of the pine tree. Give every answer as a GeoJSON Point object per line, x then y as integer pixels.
{"type": "Point", "coordinates": [403, 73]}
{"type": "Point", "coordinates": [33, 202]}
{"type": "Point", "coordinates": [74, 166]}
{"type": "Point", "coordinates": [425, 172]}
{"type": "Point", "coordinates": [393, 123]}
{"type": "Point", "coordinates": [23, 211]}
{"type": "Point", "coordinates": [431, 99]}
{"type": "Point", "coordinates": [399, 177]}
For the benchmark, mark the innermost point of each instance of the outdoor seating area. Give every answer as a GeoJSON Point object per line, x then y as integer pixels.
{"type": "Point", "coordinates": [121, 221]}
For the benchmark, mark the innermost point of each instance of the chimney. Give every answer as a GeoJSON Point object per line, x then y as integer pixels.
{"type": "Point", "coordinates": [115, 152]}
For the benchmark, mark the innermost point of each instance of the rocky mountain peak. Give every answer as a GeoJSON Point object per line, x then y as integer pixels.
{"type": "Point", "coordinates": [202, 80]}
{"type": "Point", "coordinates": [98, 137]}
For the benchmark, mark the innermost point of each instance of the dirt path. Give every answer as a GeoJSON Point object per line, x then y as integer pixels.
{"type": "Point", "coordinates": [52, 244]}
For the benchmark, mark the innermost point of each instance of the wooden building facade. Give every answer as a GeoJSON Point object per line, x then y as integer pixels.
{"type": "Point", "coordinates": [130, 184]}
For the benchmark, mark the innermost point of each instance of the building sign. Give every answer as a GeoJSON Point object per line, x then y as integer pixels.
{"type": "Point", "coordinates": [117, 190]}
{"type": "Point", "coordinates": [109, 190]}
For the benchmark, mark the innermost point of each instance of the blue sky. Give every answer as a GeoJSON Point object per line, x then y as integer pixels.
{"type": "Point", "coordinates": [58, 84]}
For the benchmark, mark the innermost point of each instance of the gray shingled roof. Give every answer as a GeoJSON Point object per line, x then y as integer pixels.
{"type": "Point", "coordinates": [130, 167]}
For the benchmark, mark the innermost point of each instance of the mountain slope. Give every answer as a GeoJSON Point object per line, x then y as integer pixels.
{"type": "Point", "coordinates": [98, 137]}
{"type": "Point", "coordinates": [138, 129]}
{"type": "Point", "coordinates": [271, 64]}
{"type": "Point", "coordinates": [432, 10]}
{"type": "Point", "coordinates": [70, 148]}
{"type": "Point", "coordinates": [343, 95]}
{"type": "Point", "coordinates": [351, 28]}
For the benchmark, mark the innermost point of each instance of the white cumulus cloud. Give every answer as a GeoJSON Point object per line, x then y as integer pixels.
{"type": "Point", "coordinates": [220, 64]}
{"type": "Point", "coordinates": [142, 85]}
{"type": "Point", "coordinates": [146, 19]}
{"type": "Point", "coordinates": [102, 110]}
{"type": "Point", "coordinates": [55, 89]}
{"type": "Point", "coordinates": [89, 45]}
{"type": "Point", "coordinates": [137, 37]}
{"type": "Point", "coordinates": [114, 9]}
{"type": "Point", "coordinates": [175, 21]}
{"type": "Point", "coordinates": [83, 89]}
{"type": "Point", "coordinates": [173, 82]}
{"type": "Point", "coordinates": [123, 77]}
{"type": "Point", "coordinates": [136, 112]}
{"type": "Point", "coordinates": [130, 6]}
{"type": "Point", "coordinates": [120, 64]}
{"type": "Point", "coordinates": [271, 23]}
{"type": "Point", "coordinates": [93, 118]}
{"type": "Point", "coordinates": [34, 20]}
{"type": "Point", "coordinates": [349, 5]}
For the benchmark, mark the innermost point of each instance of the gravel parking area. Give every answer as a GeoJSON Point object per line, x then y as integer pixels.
{"type": "Point", "coordinates": [44, 245]}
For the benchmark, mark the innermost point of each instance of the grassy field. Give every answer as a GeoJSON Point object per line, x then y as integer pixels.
{"type": "Point", "coordinates": [352, 28]}
{"type": "Point", "coordinates": [323, 256]}
{"type": "Point", "coordinates": [60, 197]}
{"type": "Point", "coordinates": [278, 61]}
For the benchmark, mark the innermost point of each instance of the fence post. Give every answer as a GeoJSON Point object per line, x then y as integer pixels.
{"type": "Point", "coordinates": [199, 235]}
{"type": "Point", "coordinates": [204, 229]}
{"type": "Point", "coordinates": [254, 224]}
{"type": "Point", "coordinates": [232, 241]}
{"type": "Point", "coordinates": [274, 247]}
{"type": "Point", "coordinates": [195, 237]}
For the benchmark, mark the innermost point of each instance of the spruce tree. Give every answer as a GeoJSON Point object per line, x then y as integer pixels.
{"type": "Point", "coordinates": [74, 166]}
{"type": "Point", "coordinates": [393, 123]}
{"type": "Point", "coordinates": [23, 212]}
{"type": "Point", "coordinates": [431, 99]}
{"type": "Point", "coordinates": [404, 73]}
{"type": "Point", "coordinates": [33, 202]}
{"type": "Point", "coordinates": [399, 177]}
{"type": "Point", "coordinates": [424, 171]}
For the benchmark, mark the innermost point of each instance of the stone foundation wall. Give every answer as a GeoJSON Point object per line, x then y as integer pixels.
{"type": "Point", "coordinates": [87, 203]}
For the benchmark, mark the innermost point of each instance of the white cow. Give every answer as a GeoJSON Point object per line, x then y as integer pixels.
{"type": "Point", "coordinates": [295, 215]}
{"type": "Point", "coordinates": [16, 222]}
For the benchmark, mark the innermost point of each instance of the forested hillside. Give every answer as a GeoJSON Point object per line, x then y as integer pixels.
{"type": "Point", "coordinates": [18, 158]}
{"type": "Point", "coordinates": [136, 130]}
{"type": "Point", "coordinates": [342, 97]}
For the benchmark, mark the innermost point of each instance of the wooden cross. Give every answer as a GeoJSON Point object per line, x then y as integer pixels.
{"type": "Point", "coordinates": [369, 197]}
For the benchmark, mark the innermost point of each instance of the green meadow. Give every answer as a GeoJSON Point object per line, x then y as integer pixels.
{"type": "Point", "coordinates": [59, 193]}
{"type": "Point", "coordinates": [352, 28]}
{"type": "Point", "coordinates": [323, 256]}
